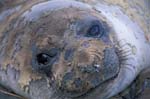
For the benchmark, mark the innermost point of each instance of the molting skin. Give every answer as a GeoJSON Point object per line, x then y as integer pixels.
{"type": "Point", "coordinates": [64, 49]}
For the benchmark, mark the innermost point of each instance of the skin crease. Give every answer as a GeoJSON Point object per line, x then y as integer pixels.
{"type": "Point", "coordinates": [40, 27]}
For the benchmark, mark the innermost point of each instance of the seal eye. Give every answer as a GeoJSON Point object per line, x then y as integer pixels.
{"type": "Point", "coordinates": [43, 59]}
{"type": "Point", "coordinates": [94, 31]}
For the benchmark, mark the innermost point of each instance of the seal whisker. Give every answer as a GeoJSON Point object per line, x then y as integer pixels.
{"type": "Point", "coordinates": [118, 42]}
{"type": "Point", "coordinates": [97, 52]}
{"type": "Point", "coordinates": [126, 55]}
{"type": "Point", "coordinates": [126, 64]}
{"type": "Point", "coordinates": [122, 55]}
{"type": "Point", "coordinates": [98, 56]}
{"type": "Point", "coordinates": [123, 51]}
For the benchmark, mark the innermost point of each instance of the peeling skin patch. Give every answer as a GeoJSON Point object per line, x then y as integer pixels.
{"type": "Point", "coordinates": [23, 8]}
{"type": "Point", "coordinates": [134, 50]}
{"type": "Point", "coordinates": [8, 12]}
{"type": "Point", "coordinates": [26, 78]}
{"type": "Point", "coordinates": [147, 36]}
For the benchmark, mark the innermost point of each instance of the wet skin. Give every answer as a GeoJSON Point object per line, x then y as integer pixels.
{"type": "Point", "coordinates": [72, 47]}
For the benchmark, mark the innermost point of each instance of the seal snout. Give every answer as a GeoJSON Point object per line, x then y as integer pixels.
{"type": "Point", "coordinates": [87, 70]}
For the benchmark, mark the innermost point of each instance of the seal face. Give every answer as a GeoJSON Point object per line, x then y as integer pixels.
{"type": "Point", "coordinates": [73, 46]}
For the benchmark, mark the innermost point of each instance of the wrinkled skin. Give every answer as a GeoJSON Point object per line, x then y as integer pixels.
{"type": "Point", "coordinates": [67, 49]}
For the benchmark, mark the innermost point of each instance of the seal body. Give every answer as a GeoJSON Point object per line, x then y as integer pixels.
{"type": "Point", "coordinates": [64, 49]}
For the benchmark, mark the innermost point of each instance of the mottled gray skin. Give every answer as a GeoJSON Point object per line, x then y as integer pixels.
{"type": "Point", "coordinates": [47, 50]}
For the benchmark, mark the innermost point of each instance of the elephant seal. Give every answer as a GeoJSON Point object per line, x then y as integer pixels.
{"type": "Point", "coordinates": [64, 49]}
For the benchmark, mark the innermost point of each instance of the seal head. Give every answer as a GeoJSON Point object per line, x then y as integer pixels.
{"type": "Point", "coordinates": [74, 46]}
{"type": "Point", "coordinates": [71, 48]}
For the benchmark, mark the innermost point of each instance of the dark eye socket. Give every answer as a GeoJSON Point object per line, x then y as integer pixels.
{"type": "Point", "coordinates": [43, 59]}
{"type": "Point", "coordinates": [94, 31]}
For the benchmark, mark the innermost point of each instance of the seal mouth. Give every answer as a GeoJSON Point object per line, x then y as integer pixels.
{"type": "Point", "coordinates": [76, 86]}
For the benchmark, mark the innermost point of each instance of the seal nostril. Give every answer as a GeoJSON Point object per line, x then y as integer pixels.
{"type": "Point", "coordinates": [78, 83]}
{"type": "Point", "coordinates": [43, 59]}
